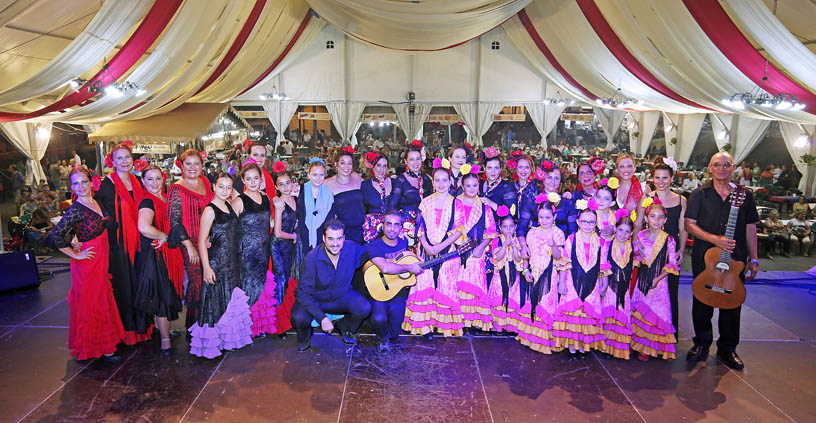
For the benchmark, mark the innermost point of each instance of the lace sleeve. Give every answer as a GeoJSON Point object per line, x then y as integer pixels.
{"type": "Point", "coordinates": [526, 214]}
{"type": "Point", "coordinates": [178, 233]}
{"type": "Point", "coordinates": [64, 229]}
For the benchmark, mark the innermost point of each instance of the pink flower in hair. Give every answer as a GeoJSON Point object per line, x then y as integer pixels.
{"type": "Point", "coordinates": [203, 155]}
{"type": "Point", "coordinates": [108, 161]}
{"type": "Point", "coordinates": [540, 174]}
{"type": "Point", "coordinates": [541, 198]}
{"type": "Point", "coordinates": [437, 163]}
{"type": "Point", "coordinates": [475, 169]}
{"type": "Point", "coordinates": [592, 205]}
{"type": "Point", "coordinates": [96, 182]}
{"type": "Point", "coordinates": [621, 214]}
{"type": "Point", "coordinates": [512, 164]}
{"type": "Point", "coordinates": [502, 211]}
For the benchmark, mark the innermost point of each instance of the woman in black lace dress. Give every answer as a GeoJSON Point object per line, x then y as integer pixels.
{"type": "Point", "coordinates": [286, 251]}
{"type": "Point", "coordinates": [254, 226]}
{"type": "Point", "coordinates": [348, 198]}
{"type": "Point", "coordinates": [224, 321]}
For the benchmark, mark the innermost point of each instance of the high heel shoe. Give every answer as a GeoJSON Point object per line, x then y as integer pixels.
{"type": "Point", "coordinates": [169, 347]}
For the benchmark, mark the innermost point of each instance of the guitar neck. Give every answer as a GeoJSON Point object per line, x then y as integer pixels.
{"type": "Point", "coordinates": [725, 257]}
{"type": "Point", "coordinates": [441, 259]}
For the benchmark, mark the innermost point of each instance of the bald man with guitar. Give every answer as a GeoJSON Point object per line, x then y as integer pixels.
{"type": "Point", "coordinates": [722, 217]}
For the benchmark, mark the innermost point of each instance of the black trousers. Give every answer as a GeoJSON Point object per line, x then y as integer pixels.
{"type": "Point", "coordinates": [387, 316]}
{"type": "Point", "coordinates": [674, 286]}
{"type": "Point", "coordinates": [353, 306]}
{"type": "Point", "coordinates": [701, 314]}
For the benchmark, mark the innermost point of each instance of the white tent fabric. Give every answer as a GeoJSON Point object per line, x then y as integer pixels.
{"type": "Point", "coordinates": [421, 112]}
{"type": "Point", "coordinates": [646, 123]}
{"type": "Point", "coordinates": [32, 140]}
{"type": "Point", "coordinates": [427, 25]}
{"type": "Point", "coordinates": [109, 26]}
{"type": "Point", "coordinates": [753, 17]}
{"type": "Point", "coordinates": [790, 133]}
{"type": "Point", "coordinates": [749, 132]}
{"type": "Point", "coordinates": [666, 32]}
{"type": "Point", "coordinates": [280, 114]}
{"type": "Point", "coordinates": [544, 117]}
{"type": "Point", "coordinates": [721, 126]}
{"type": "Point", "coordinates": [346, 119]}
{"type": "Point", "coordinates": [686, 128]}
{"type": "Point", "coordinates": [197, 71]}
{"type": "Point", "coordinates": [611, 120]}
{"type": "Point", "coordinates": [477, 118]}
{"type": "Point", "coordinates": [191, 26]}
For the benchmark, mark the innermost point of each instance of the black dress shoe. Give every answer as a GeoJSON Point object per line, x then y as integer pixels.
{"type": "Point", "coordinates": [731, 359]}
{"type": "Point", "coordinates": [348, 337]}
{"type": "Point", "coordinates": [111, 358]}
{"type": "Point", "coordinates": [305, 346]}
{"type": "Point", "coordinates": [697, 353]}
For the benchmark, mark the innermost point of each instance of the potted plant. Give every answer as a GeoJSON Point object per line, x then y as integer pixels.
{"type": "Point", "coordinates": [674, 141]}
{"type": "Point", "coordinates": [807, 159]}
{"type": "Point", "coordinates": [726, 148]}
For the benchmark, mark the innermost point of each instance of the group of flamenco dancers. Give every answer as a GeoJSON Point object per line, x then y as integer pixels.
{"type": "Point", "coordinates": [561, 270]}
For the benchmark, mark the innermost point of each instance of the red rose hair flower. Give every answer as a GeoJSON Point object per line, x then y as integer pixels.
{"type": "Point", "coordinates": [139, 165]}
{"type": "Point", "coordinates": [278, 167]}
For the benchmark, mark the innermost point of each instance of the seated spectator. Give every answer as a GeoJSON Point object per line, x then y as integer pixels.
{"type": "Point", "coordinates": [801, 206]}
{"type": "Point", "coordinates": [767, 177]}
{"type": "Point", "coordinates": [691, 183]}
{"type": "Point", "coordinates": [800, 229]}
{"type": "Point", "coordinates": [777, 232]}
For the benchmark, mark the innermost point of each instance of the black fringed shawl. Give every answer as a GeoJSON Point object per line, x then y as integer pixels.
{"type": "Point", "coordinates": [584, 281]}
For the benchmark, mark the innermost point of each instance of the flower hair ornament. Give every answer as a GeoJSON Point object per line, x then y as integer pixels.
{"type": "Point", "coordinates": [584, 204]}
{"type": "Point", "coordinates": [248, 162]}
{"type": "Point", "coordinates": [316, 160]}
{"type": "Point", "coordinates": [371, 159]}
{"type": "Point", "coordinates": [203, 155]}
{"type": "Point", "coordinates": [621, 214]}
{"type": "Point", "coordinates": [247, 144]}
{"type": "Point", "coordinates": [417, 143]}
{"type": "Point", "coordinates": [278, 167]}
{"type": "Point", "coordinates": [670, 162]}
{"type": "Point", "coordinates": [443, 163]}
{"type": "Point", "coordinates": [488, 153]}
{"type": "Point", "coordinates": [547, 165]}
{"type": "Point", "coordinates": [597, 165]}
{"type": "Point", "coordinates": [515, 156]}
{"type": "Point", "coordinates": [540, 174]}
{"type": "Point", "coordinates": [139, 165]}
{"type": "Point", "coordinates": [348, 149]}
{"type": "Point", "coordinates": [503, 210]}
{"type": "Point", "coordinates": [612, 183]}
{"type": "Point", "coordinates": [468, 169]}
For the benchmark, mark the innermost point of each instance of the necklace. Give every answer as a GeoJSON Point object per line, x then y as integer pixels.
{"type": "Point", "coordinates": [381, 183]}
{"type": "Point", "coordinates": [419, 181]}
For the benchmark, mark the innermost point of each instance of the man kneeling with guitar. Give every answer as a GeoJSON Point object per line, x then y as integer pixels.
{"type": "Point", "coordinates": [387, 316]}
{"type": "Point", "coordinates": [722, 217]}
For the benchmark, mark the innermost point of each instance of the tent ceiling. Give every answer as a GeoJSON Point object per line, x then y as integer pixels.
{"type": "Point", "coordinates": [657, 51]}
{"type": "Point", "coordinates": [185, 123]}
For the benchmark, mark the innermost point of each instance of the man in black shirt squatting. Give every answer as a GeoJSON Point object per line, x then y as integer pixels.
{"type": "Point", "coordinates": [387, 316]}
{"type": "Point", "coordinates": [706, 219]}
{"type": "Point", "coordinates": [325, 287]}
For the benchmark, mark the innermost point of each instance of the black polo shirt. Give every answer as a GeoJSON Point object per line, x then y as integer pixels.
{"type": "Point", "coordinates": [320, 282]}
{"type": "Point", "coordinates": [711, 213]}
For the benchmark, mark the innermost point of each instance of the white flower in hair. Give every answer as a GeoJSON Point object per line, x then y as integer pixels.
{"type": "Point", "coordinates": [669, 161]}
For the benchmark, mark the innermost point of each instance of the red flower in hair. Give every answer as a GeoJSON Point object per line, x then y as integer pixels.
{"type": "Point", "coordinates": [247, 143]}
{"type": "Point", "coordinates": [348, 149]}
{"type": "Point", "coordinates": [469, 148]}
{"type": "Point", "coordinates": [203, 155]}
{"type": "Point", "coordinates": [371, 159]}
{"type": "Point", "coordinates": [547, 165]}
{"type": "Point", "coordinates": [278, 167]}
{"type": "Point", "coordinates": [511, 164]}
{"type": "Point", "coordinates": [540, 174]}
{"type": "Point", "coordinates": [109, 161]}
{"type": "Point", "coordinates": [96, 182]}
{"type": "Point", "coordinates": [178, 163]}
{"type": "Point", "coordinates": [416, 143]}
{"type": "Point", "coordinates": [597, 165]}
{"type": "Point", "coordinates": [515, 177]}
{"type": "Point", "coordinates": [516, 154]}
{"type": "Point", "coordinates": [139, 165]}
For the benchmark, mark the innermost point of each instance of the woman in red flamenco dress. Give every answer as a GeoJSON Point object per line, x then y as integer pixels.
{"type": "Point", "coordinates": [95, 327]}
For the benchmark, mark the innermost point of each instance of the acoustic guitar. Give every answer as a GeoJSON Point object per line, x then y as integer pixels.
{"type": "Point", "coordinates": [383, 287]}
{"type": "Point", "coordinates": [719, 285]}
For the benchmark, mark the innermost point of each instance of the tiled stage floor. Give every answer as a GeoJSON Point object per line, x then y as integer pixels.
{"type": "Point", "coordinates": [476, 379]}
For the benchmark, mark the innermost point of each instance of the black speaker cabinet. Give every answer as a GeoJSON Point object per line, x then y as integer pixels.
{"type": "Point", "coordinates": [18, 269]}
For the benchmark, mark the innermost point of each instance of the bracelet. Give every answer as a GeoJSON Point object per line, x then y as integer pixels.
{"type": "Point", "coordinates": [755, 261]}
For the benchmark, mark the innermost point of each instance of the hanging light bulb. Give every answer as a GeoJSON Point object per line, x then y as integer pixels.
{"type": "Point", "coordinates": [114, 91]}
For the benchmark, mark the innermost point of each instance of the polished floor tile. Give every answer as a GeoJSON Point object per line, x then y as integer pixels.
{"type": "Point", "coordinates": [419, 380]}
{"type": "Point", "coordinates": [706, 391]}
{"type": "Point", "coordinates": [525, 386]}
{"type": "Point", "coordinates": [34, 362]}
{"type": "Point", "coordinates": [271, 381]}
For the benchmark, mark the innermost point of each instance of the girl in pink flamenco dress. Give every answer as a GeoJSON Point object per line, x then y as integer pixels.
{"type": "Point", "coordinates": [433, 303]}
{"type": "Point", "coordinates": [653, 332]}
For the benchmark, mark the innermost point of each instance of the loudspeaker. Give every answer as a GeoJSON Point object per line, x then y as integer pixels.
{"type": "Point", "coordinates": [18, 269]}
